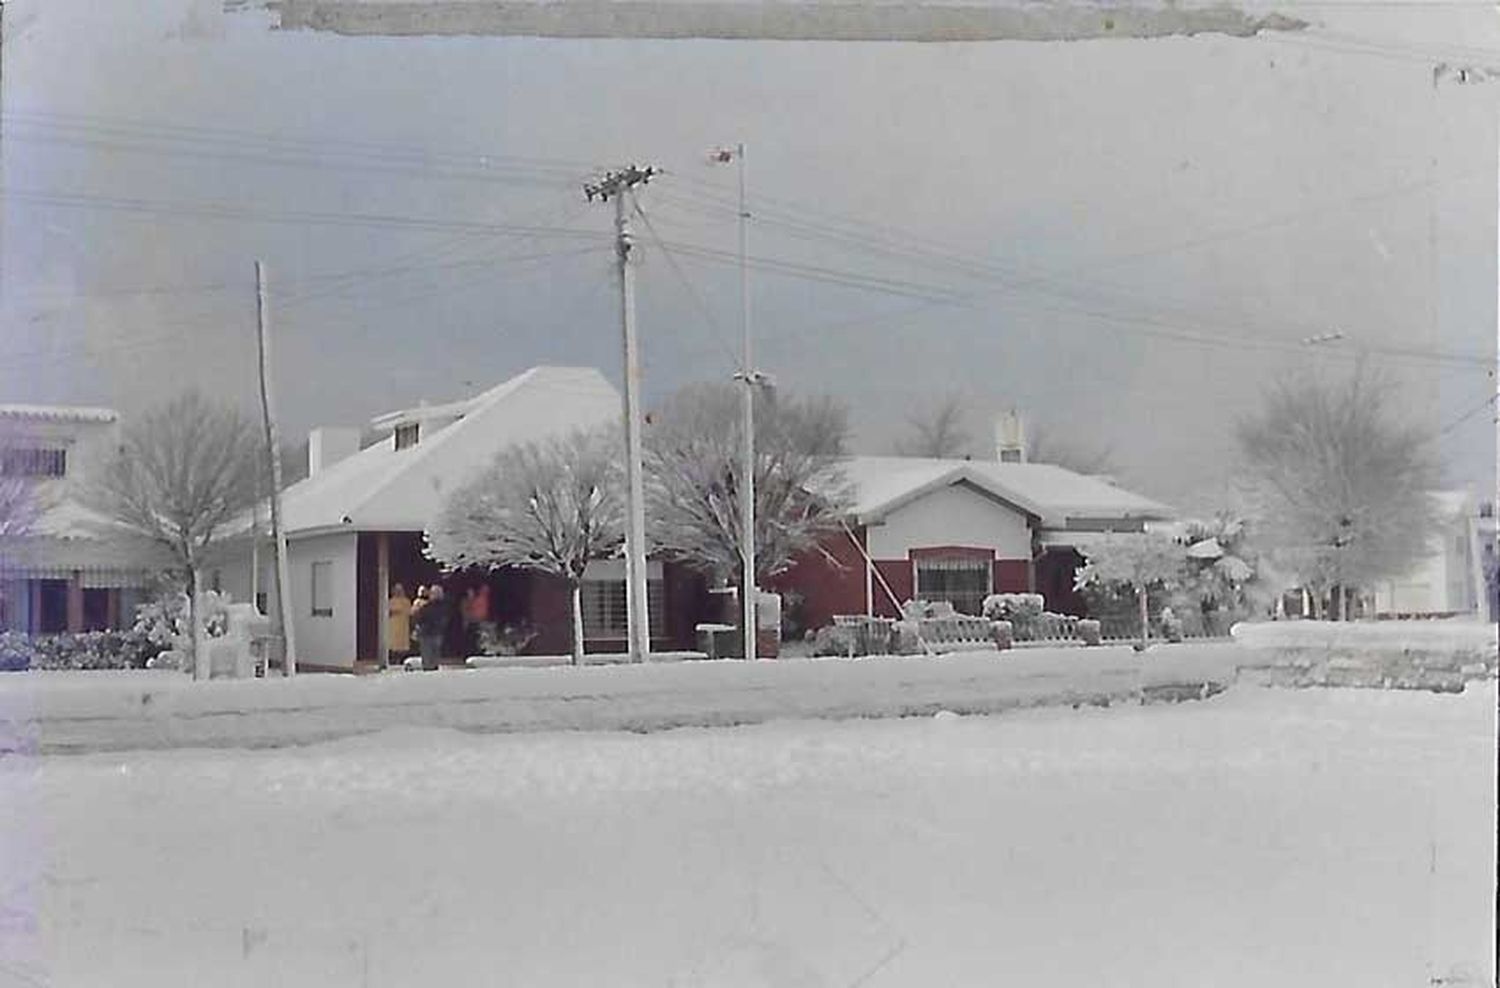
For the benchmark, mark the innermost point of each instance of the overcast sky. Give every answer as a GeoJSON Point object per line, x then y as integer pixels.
{"type": "Point", "coordinates": [1138, 233]}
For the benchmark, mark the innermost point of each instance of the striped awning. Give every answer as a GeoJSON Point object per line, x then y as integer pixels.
{"type": "Point", "coordinates": [99, 578]}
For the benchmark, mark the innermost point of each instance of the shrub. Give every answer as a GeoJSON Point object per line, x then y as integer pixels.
{"type": "Point", "coordinates": [508, 639]}
{"type": "Point", "coordinates": [85, 651]}
{"type": "Point", "coordinates": [15, 652]}
{"type": "Point", "coordinates": [793, 615]}
{"type": "Point", "coordinates": [164, 623]}
{"type": "Point", "coordinates": [835, 640]}
{"type": "Point", "coordinates": [1022, 610]}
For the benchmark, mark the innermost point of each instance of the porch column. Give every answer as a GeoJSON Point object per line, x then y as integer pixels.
{"type": "Point", "coordinates": [75, 602]}
{"type": "Point", "coordinates": [112, 608]}
{"type": "Point", "coordinates": [869, 585]}
{"type": "Point", "coordinates": [34, 606]}
{"type": "Point", "coordinates": [382, 598]}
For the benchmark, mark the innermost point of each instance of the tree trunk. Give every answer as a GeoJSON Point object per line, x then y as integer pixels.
{"type": "Point", "coordinates": [575, 599]}
{"type": "Point", "coordinates": [195, 623]}
{"type": "Point", "coordinates": [1145, 615]}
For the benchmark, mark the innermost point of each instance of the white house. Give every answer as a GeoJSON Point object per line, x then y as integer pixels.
{"type": "Point", "coordinates": [355, 525]}
{"type": "Point", "coordinates": [1450, 580]}
{"type": "Point", "coordinates": [68, 569]}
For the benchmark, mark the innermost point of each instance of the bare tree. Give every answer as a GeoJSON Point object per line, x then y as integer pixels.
{"type": "Point", "coordinates": [550, 507]}
{"type": "Point", "coordinates": [1045, 444]}
{"type": "Point", "coordinates": [938, 431]}
{"type": "Point", "coordinates": [1338, 485]}
{"type": "Point", "coordinates": [695, 464]}
{"type": "Point", "coordinates": [182, 474]}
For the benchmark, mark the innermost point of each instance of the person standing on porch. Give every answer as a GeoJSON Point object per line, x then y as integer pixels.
{"type": "Point", "coordinates": [398, 630]}
{"type": "Point", "coordinates": [432, 627]}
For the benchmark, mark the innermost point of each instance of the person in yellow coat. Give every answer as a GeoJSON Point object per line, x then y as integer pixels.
{"type": "Point", "coordinates": [399, 627]}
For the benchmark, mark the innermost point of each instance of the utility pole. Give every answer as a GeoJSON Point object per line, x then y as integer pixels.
{"type": "Point", "coordinates": [283, 580]}
{"type": "Point", "coordinates": [615, 186]}
{"type": "Point", "coordinates": [750, 380]}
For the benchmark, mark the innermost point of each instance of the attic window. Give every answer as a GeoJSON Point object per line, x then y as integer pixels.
{"type": "Point", "coordinates": [406, 435]}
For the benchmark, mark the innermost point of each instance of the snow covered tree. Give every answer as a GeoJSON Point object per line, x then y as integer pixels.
{"type": "Point", "coordinates": [1140, 560]}
{"type": "Point", "coordinates": [1220, 570]}
{"type": "Point", "coordinates": [695, 460]}
{"type": "Point", "coordinates": [938, 432]}
{"type": "Point", "coordinates": [1338, 485]}
{"type": "Point", "coordinates": [181, 475]}
{"type": "Point", "coordinates": [549, 506]}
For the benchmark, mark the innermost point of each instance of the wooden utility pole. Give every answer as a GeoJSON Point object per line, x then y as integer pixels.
{"type": "Point", "coordinates": [615, 186]}
{"type": "Point", "coordinates": [283, 580]}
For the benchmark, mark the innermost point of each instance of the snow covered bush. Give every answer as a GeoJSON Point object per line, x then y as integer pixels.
{"type": "Point", "coordinates": [81, 651]}
{"type": "Point", "coordinates": [507, 639]}
{"type": "Point", "coordinates": [15, 652]}
{"type": "Point", "coordinates": [166, 623]}
{"type": "Point", "coordinates": [835, 639]}
{"type": "Point", "coordinates": [1018, 608]}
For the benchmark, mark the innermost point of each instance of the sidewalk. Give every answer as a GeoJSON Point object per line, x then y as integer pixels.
{"type": "Point", "coordinates": [58, 713]}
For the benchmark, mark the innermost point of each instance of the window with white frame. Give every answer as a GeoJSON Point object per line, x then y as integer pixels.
{"type": "Point", "coordinates": [322, 589]}
{"type": "Point", "coordinates": [963, 581]}
{"type": "Point", "coordinates": [605, 615]}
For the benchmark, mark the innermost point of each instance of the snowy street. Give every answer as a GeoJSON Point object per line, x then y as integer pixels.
{"type": "Point", "coordinates": [1262, 837]}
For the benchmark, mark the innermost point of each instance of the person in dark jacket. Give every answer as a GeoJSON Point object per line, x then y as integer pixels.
{"type": "Point", "coordinates": [432, 627]}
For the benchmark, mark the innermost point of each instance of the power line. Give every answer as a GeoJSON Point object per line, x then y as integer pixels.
{"type": "Point", "coordinates": [187, 327]}
{"type": "Point", "coordinates": [692, 290]}
{"type": "Point", "coordinates": [1466, 416]}
{"type": "Point", "coordinates": [232, 211]}
{"type": "Point", "coordinates": [219, 136]}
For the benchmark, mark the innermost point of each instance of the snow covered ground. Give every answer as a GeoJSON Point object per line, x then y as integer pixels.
{"type": "Point", "coordinates": [1263, 837]}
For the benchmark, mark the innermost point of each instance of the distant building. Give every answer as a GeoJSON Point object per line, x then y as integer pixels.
{"type": "Point", "coordinates": [959, 530]}
{"type": "Point", "coordinates": [70, 570]}
{"type": "Point", "coordinates": [1450, 580]}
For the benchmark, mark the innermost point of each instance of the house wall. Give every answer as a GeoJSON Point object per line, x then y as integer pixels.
{"type": "Point", "coordinates": [829, 584]}
{"type": "Point", "coordinates": [1442, 583]}
{"type": "Point", "coordinates": [952, 516]}
{"type": "Point", "coordinates": [324, 641]}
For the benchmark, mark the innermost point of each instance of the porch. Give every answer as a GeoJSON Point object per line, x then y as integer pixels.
{"type": "Point", "coordinates": [535, 605]}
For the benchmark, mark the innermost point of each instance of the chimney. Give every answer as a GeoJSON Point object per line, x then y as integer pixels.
{"type": "Point", "coordinates": [1010, 438]}
{"type": "Point", "coordinates": [326, 445]}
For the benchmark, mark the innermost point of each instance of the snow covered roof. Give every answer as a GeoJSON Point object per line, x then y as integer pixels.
{"type": "Point", "coordinates": [1050, 493]}
{"type": "Point", "coordinates": [381, 488]}
{"type": "Point", "coordinates": [58, 413]}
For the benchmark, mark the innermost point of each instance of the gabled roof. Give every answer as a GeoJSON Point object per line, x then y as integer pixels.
{"type": "Point", "coordinates": [1049, 493]}
{"type": "Point", "coordinates": [381, 488]}
{"type": "Point", "coordinates": [58, 413]}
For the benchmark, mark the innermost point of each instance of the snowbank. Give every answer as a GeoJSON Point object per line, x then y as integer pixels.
{"type": "Point", "coordinates": [1433, 655]}
{"type": "Point", "coordinates": [1457, 636]}
{"type": "Point", "coordinates": [81, 712]}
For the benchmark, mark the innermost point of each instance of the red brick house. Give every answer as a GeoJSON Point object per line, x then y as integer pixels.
{"type": "Point", "coordinates": [957, 531]}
